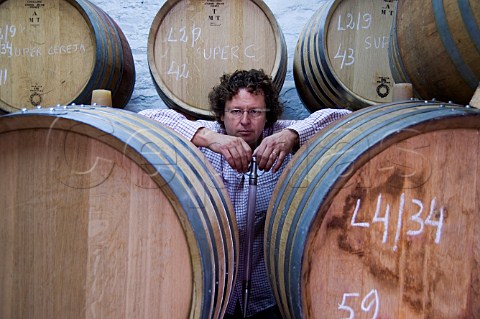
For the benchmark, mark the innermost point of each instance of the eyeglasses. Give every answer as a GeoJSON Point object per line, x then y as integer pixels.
{"type": "Point", "coordinates": [254, 113]}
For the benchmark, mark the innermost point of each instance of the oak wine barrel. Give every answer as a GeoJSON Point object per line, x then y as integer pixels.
{"type": "Point", "coordinates": [106, 213]}
{"type": "Point", "coordinates": [191, 44]}
{"type": "Point", "coordinates": [436, 47]}
{"type": "Point", "coordinates": [56, 52]}
{"type": "Point", "coordinates": [377, 217]}
{"type": "Point", "coordinates": [341, 57]}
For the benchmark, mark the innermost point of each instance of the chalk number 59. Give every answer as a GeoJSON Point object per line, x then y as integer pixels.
{"type": "Point", "coordinates": [370, 302]}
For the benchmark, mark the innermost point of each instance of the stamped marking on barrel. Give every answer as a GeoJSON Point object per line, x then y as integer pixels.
{"type": "Point", "coordinates": [34, 4]}
{"type": "Point", "coordinates": [36, 94]}
{"type": "Point", "coordinates": [383, 88]}
{"type": "Point", "coordinates": [214, 14]}
{"type": "Point", "coordinates": [35, 16]}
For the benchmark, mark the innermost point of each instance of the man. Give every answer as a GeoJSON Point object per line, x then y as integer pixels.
{"type": "Point", "coordinates": [247, 111]}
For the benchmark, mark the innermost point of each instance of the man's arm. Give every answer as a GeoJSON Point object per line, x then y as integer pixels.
{"type": "Point", "coordinates": [294, 134]}
{"type": "Point", "coordinates": [176, 121]}
{"type": "Point", "coordinates": [235, 150]}
{"type": "Point", "coordinates": [203, 134]}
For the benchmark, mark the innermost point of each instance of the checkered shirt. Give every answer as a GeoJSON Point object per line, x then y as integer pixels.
{"type": "Point", "coordinates": [261, 295]}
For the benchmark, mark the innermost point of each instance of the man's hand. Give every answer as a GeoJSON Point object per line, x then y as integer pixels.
{"type": "Point", "coordinates": [274, 148]}
{"type": "Point", "coordinates": [235, 150]}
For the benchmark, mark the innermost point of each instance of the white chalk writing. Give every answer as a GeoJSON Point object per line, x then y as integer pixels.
{"type": "Point", "coordinates": [3, 76]}
{"type": "Point", "coordinates": [347, 56]}
{"type": "Point", "coordinates": [370, 302]}
{"type": "Point", "coordinates": [377, 42]}
{"type": "Point", "coordinates": [191, 37]}
{"type": "Point", "coordinates": [11, 51]}
{"type": "Point", "coordinates": [66, 49]}
{"type": "Point", "coordinates": [226, 52]}
{"type": "Point", "coordinates": [178, 70]}
{"type": "Point", "coordinates": [27, 52]}
{"type": "Point", "coordinates": [434, 219]}
{"type": "Point", "coordinates": [351, 21]}
{"type": "Point", "coordinates": [354, 22]}
{"type": "Point", "coordinates": [358, 23]}
{"type": "Point", "coordinates": [6, 49]}
{"type": "Point", "coordinates": [181, 35]}
{"type": "Point", "coordinates": [8, 31]}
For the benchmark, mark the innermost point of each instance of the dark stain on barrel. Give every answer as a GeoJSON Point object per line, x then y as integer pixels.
{"type": "Point", "coordinates": [380, 272]}
{"type": "Point", "coordinates": [413, 266]}
{"type": "Point", "coordinates": [351, 245]}
{"type": "Point", "coordinates": [414, 303]}
{"type": "Point", "coordinates": [341, 222]}
{"type": "Point", "coordinates": [397, 179]}
{"type": "Point", "coordinates": [418, 180]}
{"type": "Point", "coordinates": [413, 291]}
{"type": "Point", "coordinates": [336, 222]}
{"type": "Point", "coordinates": [348, 240]}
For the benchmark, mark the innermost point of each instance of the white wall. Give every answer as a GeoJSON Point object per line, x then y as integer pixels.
{"type": "Point", "coordinates": [136, 17]}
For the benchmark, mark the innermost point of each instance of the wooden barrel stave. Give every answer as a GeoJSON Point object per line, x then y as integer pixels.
{"type": "Point", "coordinates": [186, 182]}
{"type": "Point", "coordinates": [315, 183]}
{"type": "Point", "coordinates": [74, 37]}
{"type": "Point", "coordinates": [310, 82]}
{"type": "Point", "coordinates": [114, 68]}
{"type": "Point", "coordinates": [440, 55]}
{"type": "Point", "coordinates": [105, 65]}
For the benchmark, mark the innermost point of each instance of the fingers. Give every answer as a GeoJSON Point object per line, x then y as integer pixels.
{"type": "Point", "coordinates": [236, 151]}
{"type": "Point", "coordinates": [269, 157]}
{"type": "Point", "coordinates": [267, 153]}
{"type": "Point", "coordinates": [273, 150]}
{"type": "Point", "coordinates": [239, 157]}
{"type": "Point", "coordinates": [278, 163]}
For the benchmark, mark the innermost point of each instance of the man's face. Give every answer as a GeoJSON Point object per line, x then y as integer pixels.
{"type": "Point", "coordinates": [245, 125]}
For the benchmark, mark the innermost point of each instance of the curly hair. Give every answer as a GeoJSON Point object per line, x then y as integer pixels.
{"type": "Point", "coordinates": [254, 81]}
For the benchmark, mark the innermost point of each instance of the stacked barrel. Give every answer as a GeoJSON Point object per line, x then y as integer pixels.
{"type": "Point", "coordinates": [351, 53]}
{"type": "Point", "coordinates": [58, 52]}
{"type": "Point", "coordinates": [192, 43]}
{"type": "Point", "coordinates": [377, 216]}
{"type": "Point", "coordinates": [106, 213]}
{"type": "Point", "coordinates": [341, 58]}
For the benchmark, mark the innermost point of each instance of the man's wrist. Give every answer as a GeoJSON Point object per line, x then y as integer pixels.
{"type": "Point", "coordinates": [200, 139]}
{"type": "Point", "coordinates": [295, 138]}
